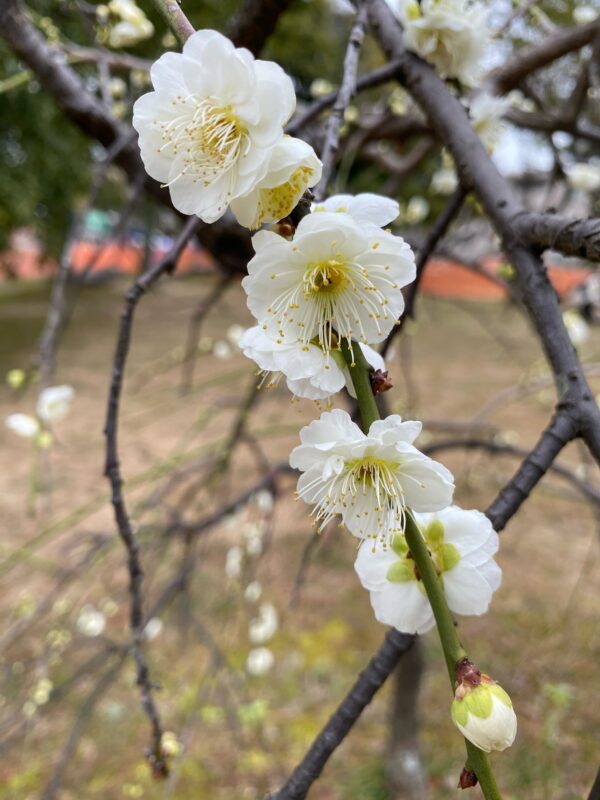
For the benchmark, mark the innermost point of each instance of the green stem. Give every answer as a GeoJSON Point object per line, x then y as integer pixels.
{"type": "Point", "coordinates": [477, 760]}
{"type": "Point", "coordinates": [359, 372]}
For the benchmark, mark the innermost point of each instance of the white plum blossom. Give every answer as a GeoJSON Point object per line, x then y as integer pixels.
{"type": "Point", "coordinates": [577, 327]}
{"type": "Point", "coordinates": [462, 545]}
{"type": "Point", "coordinates": [417, 210]}
{"type": "Point", "coordinates": [264, 626]}
{"type": "Point", "coordinates": [234, 334]}
{"type": "Point", "coordinates": [208, 129]}
{"type": "Point", "coordinates": [585, 177]}
{"type": "Point", "coordinates": [310, 373]}
{"type": "Point", "coordinates": [450, 34]}
{"type": "Point", "coordinates": [368, 479]}
{"type": "Point", "coordinates": [153, 628]}
{"type": "Point", "coordinates": [486, 112]}
{"type": "Point", "coordinates": [293, 167]}
{"type": "Point", "coordinates": [90, 621]}
{"type": "Point", "coordinates": [264, 501]}
{"type": "Point", "coordinates": [253, 592]}
{"type": "Point", "coordinates": [133, 25]}
{"type": "Point", "coordinates": [444, 181]}
{"type": "Point", "coordinates": [583, 15]}
{"type": "Point", "coordinates": [222, 350]}
{"type": "Point", "coordinates": [484, 714]}
{"type": "Point", "coordinates": [335, 280]}
{"type": "Point", "coordinates": [366, 207]}
{"type": "Point", "coordinates": [54, 403]}
{"type": "Point", "coordinates": [260, 661]}
{"type": "Point", "coordinates": [233, 562]}
{"type": "Point", "coordinates": [23, 425]}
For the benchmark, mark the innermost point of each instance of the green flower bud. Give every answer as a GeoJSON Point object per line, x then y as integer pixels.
{"type": "Point", "coordinates": [481, 710]}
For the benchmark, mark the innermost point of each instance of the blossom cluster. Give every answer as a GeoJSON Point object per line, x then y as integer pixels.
{"type": "Point", "coordinates": [324, 292]}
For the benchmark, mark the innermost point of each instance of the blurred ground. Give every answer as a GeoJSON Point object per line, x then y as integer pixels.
{"type": "Point", "coordinates": [240, 735]}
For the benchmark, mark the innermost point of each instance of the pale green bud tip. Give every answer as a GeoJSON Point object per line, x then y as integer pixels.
{"type": "Point", "coordinates": [15, 378]}
{"type": "Point", "coordinates": [484, 715]}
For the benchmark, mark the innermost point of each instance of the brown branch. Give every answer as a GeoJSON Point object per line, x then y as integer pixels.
{"type": "Point", "coordinates": [595, 790]}
{"type": "Point", "coordinates": [367, 81]}
{"type": "Point", "coordinates": [113, 473]}
{"type": "Point", "coordinates": [344, 96]}
{"type": "Point", "coordinates": [437, 232]}
{"type": "Point", "coordinates": [529, 59]}
{"type": "Point", "coordinates": [188, 361]}
{"type": "Point", "coordinates": [255, 22]}
{"type": "Point", "coordinates": [341, 722]}
{"type": "Point", "coordinates": [570, 236]}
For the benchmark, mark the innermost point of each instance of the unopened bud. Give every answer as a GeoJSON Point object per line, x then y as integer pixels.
{"type": "Point", "coordinates": [481, 710]}
{"type": "Point", "coordinates": [467, 779]}
{"type": "Point", "coordinates": [379, 381]}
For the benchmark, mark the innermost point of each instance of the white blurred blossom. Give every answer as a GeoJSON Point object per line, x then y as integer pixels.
{"type": "Point", "coordinates": [133, 25]}
{"type": "Point", "coordinates": [235, 333]}
{"type": "Point", "coordinates": [584, 176]}
{"type": "Point", "coordinates": [260, 661]}
{"type": "Point", "coordinates": [253, 592]}
{"type": "Point", "coordinates": [264, 626]}
{"type": "Point", "coordinates": [486, 112]}
{"type": "Point", "coordinates": [264, 500]}
{"type": "Point", "coordinates": [444, 181]}
{"type": "Point", "coordinates": [222, 349]}
{"type": "Point", "coordinates": [417, 210]}
{"type": "Point", "coordinates": [153, 628]}
{"type": "Point", "coordinates": [450, 34]}
{"type": "Point", "coordinates": [23, 425]}
{"type": "Point", "coordinates": [233, 562]}
{"type": "Point", "coordinates": [577, 327]}
{"type": "Point", "coordinates": [54, 403]}
{"type": "Point", "coordinates": [582, 15]}
{"type": "Point", "coordinates": [90, 621]}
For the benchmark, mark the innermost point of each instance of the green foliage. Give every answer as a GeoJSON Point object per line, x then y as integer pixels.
{"type": "Point", "coordinates": [44, 162]}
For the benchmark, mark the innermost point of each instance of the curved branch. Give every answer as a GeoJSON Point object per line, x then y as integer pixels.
{"type": "Point", "coordinates": [113, 473]}
{"type": "Point", "coordinates": [570, 236]}
{"type": "Point", "coordinates": [529, 59]}
{"type": "Point", "coordinates": [341, 722]}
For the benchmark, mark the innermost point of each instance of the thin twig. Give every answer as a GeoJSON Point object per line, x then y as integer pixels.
{"type": "Point", "coordinates": [437, 232]}
{"type": "Point", "coordinates": [347, 89]}
{"type": "Point", "coordinates": [113, 473]}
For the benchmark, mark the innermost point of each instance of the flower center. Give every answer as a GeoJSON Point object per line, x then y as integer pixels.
{"type": "Point", "coordinates": [209, 138]}
{"type": "Point", "coordinates": [325, 277]}
{"type": "Point", "coordinates": [278, 201]}
{"type": "Point", "coordinates": [444, 555]}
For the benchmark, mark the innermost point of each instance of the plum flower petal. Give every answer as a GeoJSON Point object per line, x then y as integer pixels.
{"type": "Point", "coordinates": [367, 207]}
{"type": "Point", "coordinates": [462, 545]}
{"type": "Point", "coordinates": [208, 129]}
{"type": "Point", "coordinates": [293, 167]}
{"type": "Point", "coordinates": [308, 371]}
{"type": "Point", "coordinates": [23, 425]}
{"type": "Point", "coordinates": [54, 403]}
{"type": "Point", "coordinates": [335, 280]}
{"type": "Point", "coordinates": [368, 479]}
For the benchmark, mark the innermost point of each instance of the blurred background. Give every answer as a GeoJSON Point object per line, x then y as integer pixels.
{"type": "Point", "coordinates": [255, 626]}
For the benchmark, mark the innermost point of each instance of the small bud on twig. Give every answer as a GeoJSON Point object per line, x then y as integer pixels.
{"type": "Point", "coordinates": [379, 381]}
{"type": "Point", "coordinates": [467, 779]}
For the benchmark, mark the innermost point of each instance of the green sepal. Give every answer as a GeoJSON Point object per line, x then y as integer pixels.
{"type": "Point", "coordinates": [401, 572]}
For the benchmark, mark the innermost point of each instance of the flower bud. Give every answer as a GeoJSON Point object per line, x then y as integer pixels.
{"type": "Point", "coordinates": [482, 711]}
